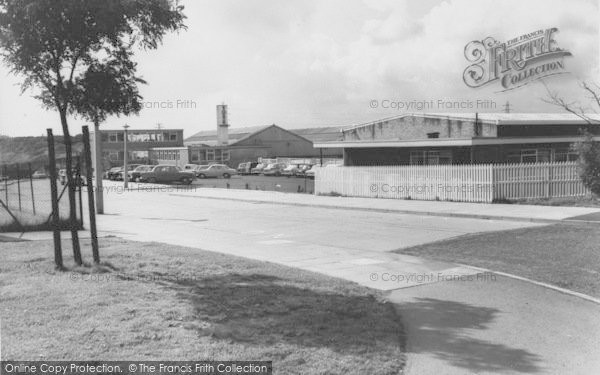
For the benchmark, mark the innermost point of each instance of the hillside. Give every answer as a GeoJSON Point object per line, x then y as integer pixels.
{"type": "Point", "coordinates": [33, 149]}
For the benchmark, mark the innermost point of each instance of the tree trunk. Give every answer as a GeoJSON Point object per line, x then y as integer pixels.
{"type": "Point", "coordinates": [71, 189]}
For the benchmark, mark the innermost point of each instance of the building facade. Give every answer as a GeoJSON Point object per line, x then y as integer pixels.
{"type": "Point", "coordinates": [429, 139]}
{"type": "Point", "coordinates": [140, 142]}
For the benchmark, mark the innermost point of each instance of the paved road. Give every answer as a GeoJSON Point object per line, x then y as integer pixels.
{"type": "Point", "coordinates": [477, 326]}
{"type": "Point", "coordinates": [351, 244]}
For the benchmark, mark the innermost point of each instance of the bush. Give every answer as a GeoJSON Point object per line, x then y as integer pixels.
{"type": "Point", "coordinates": [589, 163]}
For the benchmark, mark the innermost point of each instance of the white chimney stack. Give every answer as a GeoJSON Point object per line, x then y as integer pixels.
{"type": "Point", "coordinates": [222, 125]}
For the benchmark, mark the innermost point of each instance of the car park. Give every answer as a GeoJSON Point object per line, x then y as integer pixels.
{"type": "Point", "coordinates": [258, 169]}
{"type": "Point", "coordinates": [274, 169]}
{"type": "Point", "coordinates": [217, 170]}
{"type": "Point", "coordinates": [167, 174]}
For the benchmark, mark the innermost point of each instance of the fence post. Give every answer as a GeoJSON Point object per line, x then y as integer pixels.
{"type": "Point", "coordinates": [90, 190]}
{"type": "Point", "coordinates": [19, 185]}
{"type": "Point", "coordinates": [6, 184]}
{"type": "Point", "coordinates": [54, 198]}
{"type": "Point", "coordinates": [31, 185]}
{"type": "Point", "coordinates": [80, 184]}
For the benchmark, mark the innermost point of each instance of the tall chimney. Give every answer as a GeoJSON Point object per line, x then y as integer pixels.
{"type": "Point", "coordinates": [222, 125]}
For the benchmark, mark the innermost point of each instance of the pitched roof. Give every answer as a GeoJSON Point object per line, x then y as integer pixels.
{"type": "Point", "coordinates": [209, 137]}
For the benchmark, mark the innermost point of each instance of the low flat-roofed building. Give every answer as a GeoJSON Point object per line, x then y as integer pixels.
{"type": "Point", "coordinates": [460, 138]}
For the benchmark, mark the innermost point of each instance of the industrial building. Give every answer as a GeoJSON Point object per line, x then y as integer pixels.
{"type": "Point", "coordinates": [236, 145]}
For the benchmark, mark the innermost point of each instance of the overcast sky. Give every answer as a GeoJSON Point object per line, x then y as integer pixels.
{"type": "Point", "coordinates": [322, 62]}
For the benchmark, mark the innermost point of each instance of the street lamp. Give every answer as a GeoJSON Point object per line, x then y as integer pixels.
{"type": "Point", "coordinates": [125, 175]}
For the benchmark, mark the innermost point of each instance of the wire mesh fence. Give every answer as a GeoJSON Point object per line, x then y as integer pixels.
{"type": "Point", "coordinates": [25, 199]}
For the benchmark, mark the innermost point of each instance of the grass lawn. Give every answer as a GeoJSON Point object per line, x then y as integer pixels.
{"type": "Point", "coordinates": [566, 254]}
{"type": "Point", "coordinates": [152, 301]}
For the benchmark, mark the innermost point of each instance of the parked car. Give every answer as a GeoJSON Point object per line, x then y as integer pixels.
{"type": "Point", "coordinates": [130, 167]}
{"type": "Point", "coordinates": [246, 168]}
{"type": "Point", "coordinates": [39, 174]}
{"type": "Point", "coordinates": [217, 170]}
{"type": "Point", "coordinates": [310, 173]}
{"type": "Point", "coordinates": [200, 168]}
{"type": "Point", "coordinates": [302, 169]}
{"type": "Point", "coordinates": [62, 177]}
{"type": "Point", "coordinates": [190, 167]}
{"type": "Point", "coordinates": [274, 169]}
{"type": "Point", "coordinates": [112, 173]}
{"type": "Point", "coordinates": [258, 169]}
{"type": "Point", "coordinates": [3, 178]}
{"type": "Point", "coordinates": [135, 174]}
{"type": "Point", "coordinates": [290, 170]}
{"type": "Point", "coordinates": [167, 174]}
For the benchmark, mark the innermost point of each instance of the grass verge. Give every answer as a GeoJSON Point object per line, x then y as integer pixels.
{"type": "Point", "coordinates": [152, 301]}
{"type": "Point", "coordinates": [565, 254]}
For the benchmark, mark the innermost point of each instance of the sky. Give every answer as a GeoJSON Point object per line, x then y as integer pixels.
{"type": "Point", "coordinates": [317, 63]}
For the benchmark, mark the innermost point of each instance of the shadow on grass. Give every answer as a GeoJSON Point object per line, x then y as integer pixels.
{"type": "Point", "coordinates": [438, 327]}
{"type": "Point", "coordinates": [262, 310]}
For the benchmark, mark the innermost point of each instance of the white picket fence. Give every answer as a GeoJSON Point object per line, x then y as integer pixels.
{"type": "Point", "coordinates": [462, 183]}
{"type": "Point", "coordinates": [545, 180]}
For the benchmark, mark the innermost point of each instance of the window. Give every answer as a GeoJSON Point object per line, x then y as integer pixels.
{"type": "Point", "coordinates": [430, 157]}
{"type": "Point", "coordinates": [225, 155]}
{"type": "Point", "coordinates": [433, 135]}
{"type": "Point", "coordinates": [173, 137]}
{"type": "Point", "coordinates": [565, 154]}
{"type": "Point", "coordinates": [210, 155]}
{"type": "Point", "coordinates": [529, 156]}
{"type": "Point", "coordinates": [113, 155]}
{"type": "Point", "coordinates": [417, 158]}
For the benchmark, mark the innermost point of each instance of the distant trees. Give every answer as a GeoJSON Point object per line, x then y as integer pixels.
{"type": "Point", "coordinates": [78, 56]}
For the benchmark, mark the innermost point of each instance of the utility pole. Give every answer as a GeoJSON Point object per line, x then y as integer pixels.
{"type": "Point", "coordinates": [507, 107]}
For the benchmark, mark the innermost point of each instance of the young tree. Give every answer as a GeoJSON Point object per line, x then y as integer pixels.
{"type": "Point", "coordinates": [77, 55]}
{"type": "Point", "coordinates": [587, 149]}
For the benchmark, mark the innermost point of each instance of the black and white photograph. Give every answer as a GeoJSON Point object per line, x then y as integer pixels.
{"type": "Point", "coordinates": [309, 187]}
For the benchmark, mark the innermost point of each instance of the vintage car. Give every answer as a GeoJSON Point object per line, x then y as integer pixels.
{"type": "Point", "coordinates": [167, 174]}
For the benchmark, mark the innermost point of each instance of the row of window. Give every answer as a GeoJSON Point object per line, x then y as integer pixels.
{"type": "Point", "coordinates": [119, 137]}
{"type": "Point", "coordinates": [167, 154]}
{"type": "Point", "coordinates": [212, 155]}
{"type": "Point", "coordinates": [541, 155]}
{"type": "Point", "coordinates": [132, 155]}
